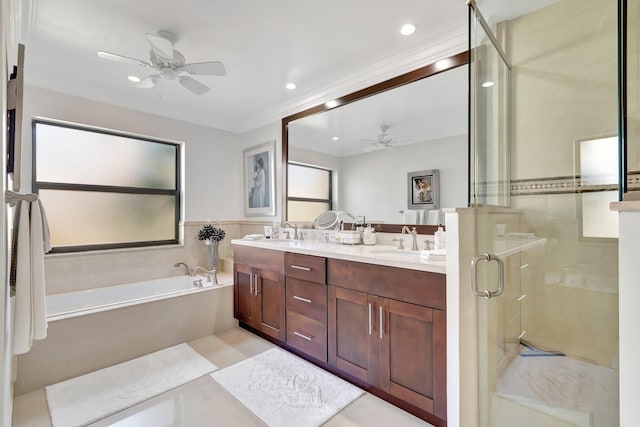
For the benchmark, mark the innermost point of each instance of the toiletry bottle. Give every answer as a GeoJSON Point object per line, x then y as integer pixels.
{"type": "Point", "coordinates": [275, 230]}
{"type": "Point", "coordinates": [439, 238]}
{"type": "Point", "coordinates": [369, 236]}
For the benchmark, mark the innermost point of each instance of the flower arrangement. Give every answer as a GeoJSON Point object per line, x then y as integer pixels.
{"type": "Point", "coordinates": [211, 233]}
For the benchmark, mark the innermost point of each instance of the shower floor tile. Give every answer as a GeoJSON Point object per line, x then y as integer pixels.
{"type": "Point", "coordinates": [204, 402]}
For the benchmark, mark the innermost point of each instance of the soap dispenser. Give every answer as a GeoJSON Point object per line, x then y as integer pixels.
{"type": "Point", "coordinates": [440, 239]}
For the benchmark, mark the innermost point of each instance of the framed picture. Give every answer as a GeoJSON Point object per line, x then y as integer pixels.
{"type": "Point", "coordinates": [424, 190]}
{"type": "Point", "coordinates": [259, 180]}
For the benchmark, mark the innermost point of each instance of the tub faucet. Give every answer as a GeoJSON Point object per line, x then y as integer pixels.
{"type": "Point", "coordinates": [414, 235]}
{"type": "Point", "coordinates": [187, 270]}
{"type": "Point", "coordinates": [208, 273]}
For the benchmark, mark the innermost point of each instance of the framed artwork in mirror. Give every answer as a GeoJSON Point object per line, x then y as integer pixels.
{"type": "Point", "coordinates": [259, 180]}
{"type": "Point", "coordinates": [423, 189]}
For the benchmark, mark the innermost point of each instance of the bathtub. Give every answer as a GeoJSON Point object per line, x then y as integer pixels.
{"type": "Point", "coordinates": [79, 303]}
{"type": "Point", "coordinates": [93, 329]}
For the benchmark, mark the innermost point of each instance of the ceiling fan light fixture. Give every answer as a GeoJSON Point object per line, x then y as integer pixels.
{"type": "Point", "coordinates": [168, 73]}
{"type": "Point", "coordinates": [407, 29]}
{"type": "Point", "coordinates": [291, 86]}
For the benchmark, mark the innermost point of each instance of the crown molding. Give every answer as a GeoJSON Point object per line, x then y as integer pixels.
{"type": "Point", "coordinates": [403, 62]}
{"type": "Point", "coordinates": [22, 16]}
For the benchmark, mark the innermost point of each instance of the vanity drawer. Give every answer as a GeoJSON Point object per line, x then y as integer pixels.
{"type": "Point", "coordinates": [307, 298]}
{"type": "Point", "coordinates": [305, 267]}
{"type": "Point", "coordinates": [307, 335]}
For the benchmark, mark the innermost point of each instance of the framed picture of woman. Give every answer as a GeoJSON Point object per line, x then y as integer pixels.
{"type": "Point", "coordinates": [424, 191]}
{"type": "Point", "coordinates": [259, 180]}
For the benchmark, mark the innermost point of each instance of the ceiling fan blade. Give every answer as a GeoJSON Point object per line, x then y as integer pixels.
{"type": "Point", "coordinates": [161, 46]}
{"type": "Point", "coordinates": [120, 58]}
{"type": "Point", "coordinates": [214, 68]}
{"type": "Point", "coordinates": [193, 85]}
{"type": "Point", "coordinates": [368, 141]}
{"type": "Point", "coordinates": [369, 148]}
{"type": "Point", "coordinates": [149, 82]}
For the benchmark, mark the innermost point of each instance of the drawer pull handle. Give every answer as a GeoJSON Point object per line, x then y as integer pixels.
{"type": "Point", "coordinates": [381, 321]}
{"type": "Point", "coordinates": [370, 325]}
{"type": "Point", "coordinates": [299, 267]}
{"type": "Point", "coordinates": [308, 338]}
{"type": "Point", "coordinates": [302, 299]}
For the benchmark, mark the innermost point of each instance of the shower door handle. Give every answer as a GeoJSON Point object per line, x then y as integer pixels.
{"type": "Point", "coordinates": [474, 283]}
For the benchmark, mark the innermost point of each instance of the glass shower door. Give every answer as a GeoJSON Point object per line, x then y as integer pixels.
{"type": "Point", "coordinates": [546, 257]}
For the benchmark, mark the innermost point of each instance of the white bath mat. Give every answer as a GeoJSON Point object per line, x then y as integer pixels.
{"type": "Point", "coordinates": [90, 397]}
{"type": "Point", "coordinates": [284, 390]}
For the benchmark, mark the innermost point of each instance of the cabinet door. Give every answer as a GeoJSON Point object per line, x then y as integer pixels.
{"type": "Point", "coordinates": [270, 299]}
{"type": "Point", "coordinates": [352, 328]}
{"type": "Point", "coordinates": [244, 307]}
{"type": "Point", "coordinates": [413, 355]}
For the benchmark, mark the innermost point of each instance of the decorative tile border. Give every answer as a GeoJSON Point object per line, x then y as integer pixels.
{"type": "Point", "coordinates": [569, 185]}
{"type": "Point", "coordinates": [559, 185]}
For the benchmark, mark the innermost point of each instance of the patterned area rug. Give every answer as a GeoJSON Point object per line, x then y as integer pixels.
{"type": "Point", "coordinates": [284, 390]}
{"type": "Point", "coordinates": [88, 398]}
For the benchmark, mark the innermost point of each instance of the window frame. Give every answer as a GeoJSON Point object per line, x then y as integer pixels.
{"type": "Point", "coordinates": [329, 201]}
{"type": "Point", "coordinates": [175, 192]}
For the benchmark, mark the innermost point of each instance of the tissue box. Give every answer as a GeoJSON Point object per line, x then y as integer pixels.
{"type": "Point", "coordinates": [349, 237]}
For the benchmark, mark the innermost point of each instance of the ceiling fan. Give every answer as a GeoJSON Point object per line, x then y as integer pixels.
{"type": "Point", "coordinates": [382, 142]}
{"type": "Point", "coordinates": [170, 64]}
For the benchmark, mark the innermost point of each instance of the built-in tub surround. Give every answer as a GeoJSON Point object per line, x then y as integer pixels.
{"type": "Point", "coordinates": [104, 334]}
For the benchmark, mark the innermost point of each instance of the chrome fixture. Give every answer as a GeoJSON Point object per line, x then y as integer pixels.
{"type": "Point", "coordinates": [208, 274]}
{"type": "Point", "coordinates": [414, 236]}
{"type": "Point", "coordinates": [400, 243]}
{"type": "Point", "coordinates": [187, 270]}
{"type": "Point", "coordinates": [295, 230]}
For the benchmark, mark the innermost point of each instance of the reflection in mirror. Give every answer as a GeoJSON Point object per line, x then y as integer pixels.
{"type": "Point", "coordinates": [370, 146]}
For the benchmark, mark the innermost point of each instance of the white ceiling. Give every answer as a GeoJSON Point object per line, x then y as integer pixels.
{"type": "Point", "coordinates": [328, 48]}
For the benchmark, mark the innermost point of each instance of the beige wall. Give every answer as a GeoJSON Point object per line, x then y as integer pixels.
{"type": "Point", "coordinates": [564, 87]}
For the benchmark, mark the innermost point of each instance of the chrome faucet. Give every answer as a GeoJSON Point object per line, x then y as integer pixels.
{"type": "Point", "coordinates": [295, 230]}
{"type": "Point", "coordinates": [187, 271]}
{"type": "Point", "coordinates": [208, 273]}
{"type": "Point", "coordinates": [414, 235]}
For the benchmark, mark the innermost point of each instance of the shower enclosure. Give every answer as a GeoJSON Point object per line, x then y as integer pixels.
{"type": "Point", "coordinates": [544, 149]}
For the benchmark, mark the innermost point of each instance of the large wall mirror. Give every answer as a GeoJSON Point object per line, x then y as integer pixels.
{"type": "Point", "coordinates": [375, 140]}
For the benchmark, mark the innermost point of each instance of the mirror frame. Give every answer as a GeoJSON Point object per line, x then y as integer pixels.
{"type": "Point", "coordinates": [432, 69]}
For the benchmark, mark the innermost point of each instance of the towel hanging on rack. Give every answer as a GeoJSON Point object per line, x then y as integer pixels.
{"type": "Point", "coordinates": [30, 243]}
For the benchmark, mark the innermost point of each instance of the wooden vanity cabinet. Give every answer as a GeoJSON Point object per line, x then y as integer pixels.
{"type": "Point", "coordinates": [259, 290]}
{"type": "Point", "coordinates": [306, 302]}
{"type": "Point", "coordinates": [386, 327]}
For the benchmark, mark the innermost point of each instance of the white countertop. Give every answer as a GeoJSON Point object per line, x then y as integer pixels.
{"type": "Point", "coordinates": [375, 254]}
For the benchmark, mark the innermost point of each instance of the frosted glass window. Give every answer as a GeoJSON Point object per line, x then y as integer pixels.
{"type": "Point", "coordinates": [598, 172]}
{"type": "Point", "coordinates": [78, 156]}
{"type": "Point", "coordinates": [309, 182]}
{"type": "Point", "coordinates": [95, 218]}
{"type": "Point", "coordinates": [308, 192]}
{"type": "Point", "coordinates": [103, 189]}
{"type": "Point", "coordinates": [306, 211]}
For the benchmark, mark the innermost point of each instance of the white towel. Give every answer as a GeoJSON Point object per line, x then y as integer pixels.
{"type": "Point", "coordinates": [434, 255]}
{"type": "Point", "coordinates": [31, 234]}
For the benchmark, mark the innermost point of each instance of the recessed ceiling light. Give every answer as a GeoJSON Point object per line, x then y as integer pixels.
{"type": "Point", "coordinates": [291, 86]}
{"type": "Point", "coordinates": [487, 84]}
{"type": "Point", "coordinates": [331, 104]}
{"type": "Point", "coordinates": [335, 138]}
{"type": "Point", "coordinates": [407, 29]}
{"type": "Point", "coordinates": [134, 79]}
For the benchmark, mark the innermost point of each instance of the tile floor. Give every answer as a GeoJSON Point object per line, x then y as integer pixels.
{"type": "Point", "coordinates": [205, 403]}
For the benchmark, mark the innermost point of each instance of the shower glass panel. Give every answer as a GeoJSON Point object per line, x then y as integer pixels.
{"type": "Point", "coordinates": [632, 86]}
{"type": "Point", "coordinates": [548, 345]}
{"type": "Point", "coordinates": [490, 122]}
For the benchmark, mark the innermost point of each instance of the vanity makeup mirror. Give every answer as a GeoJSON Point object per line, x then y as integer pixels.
{"type": "Point", "coordinates": [377, 136]}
